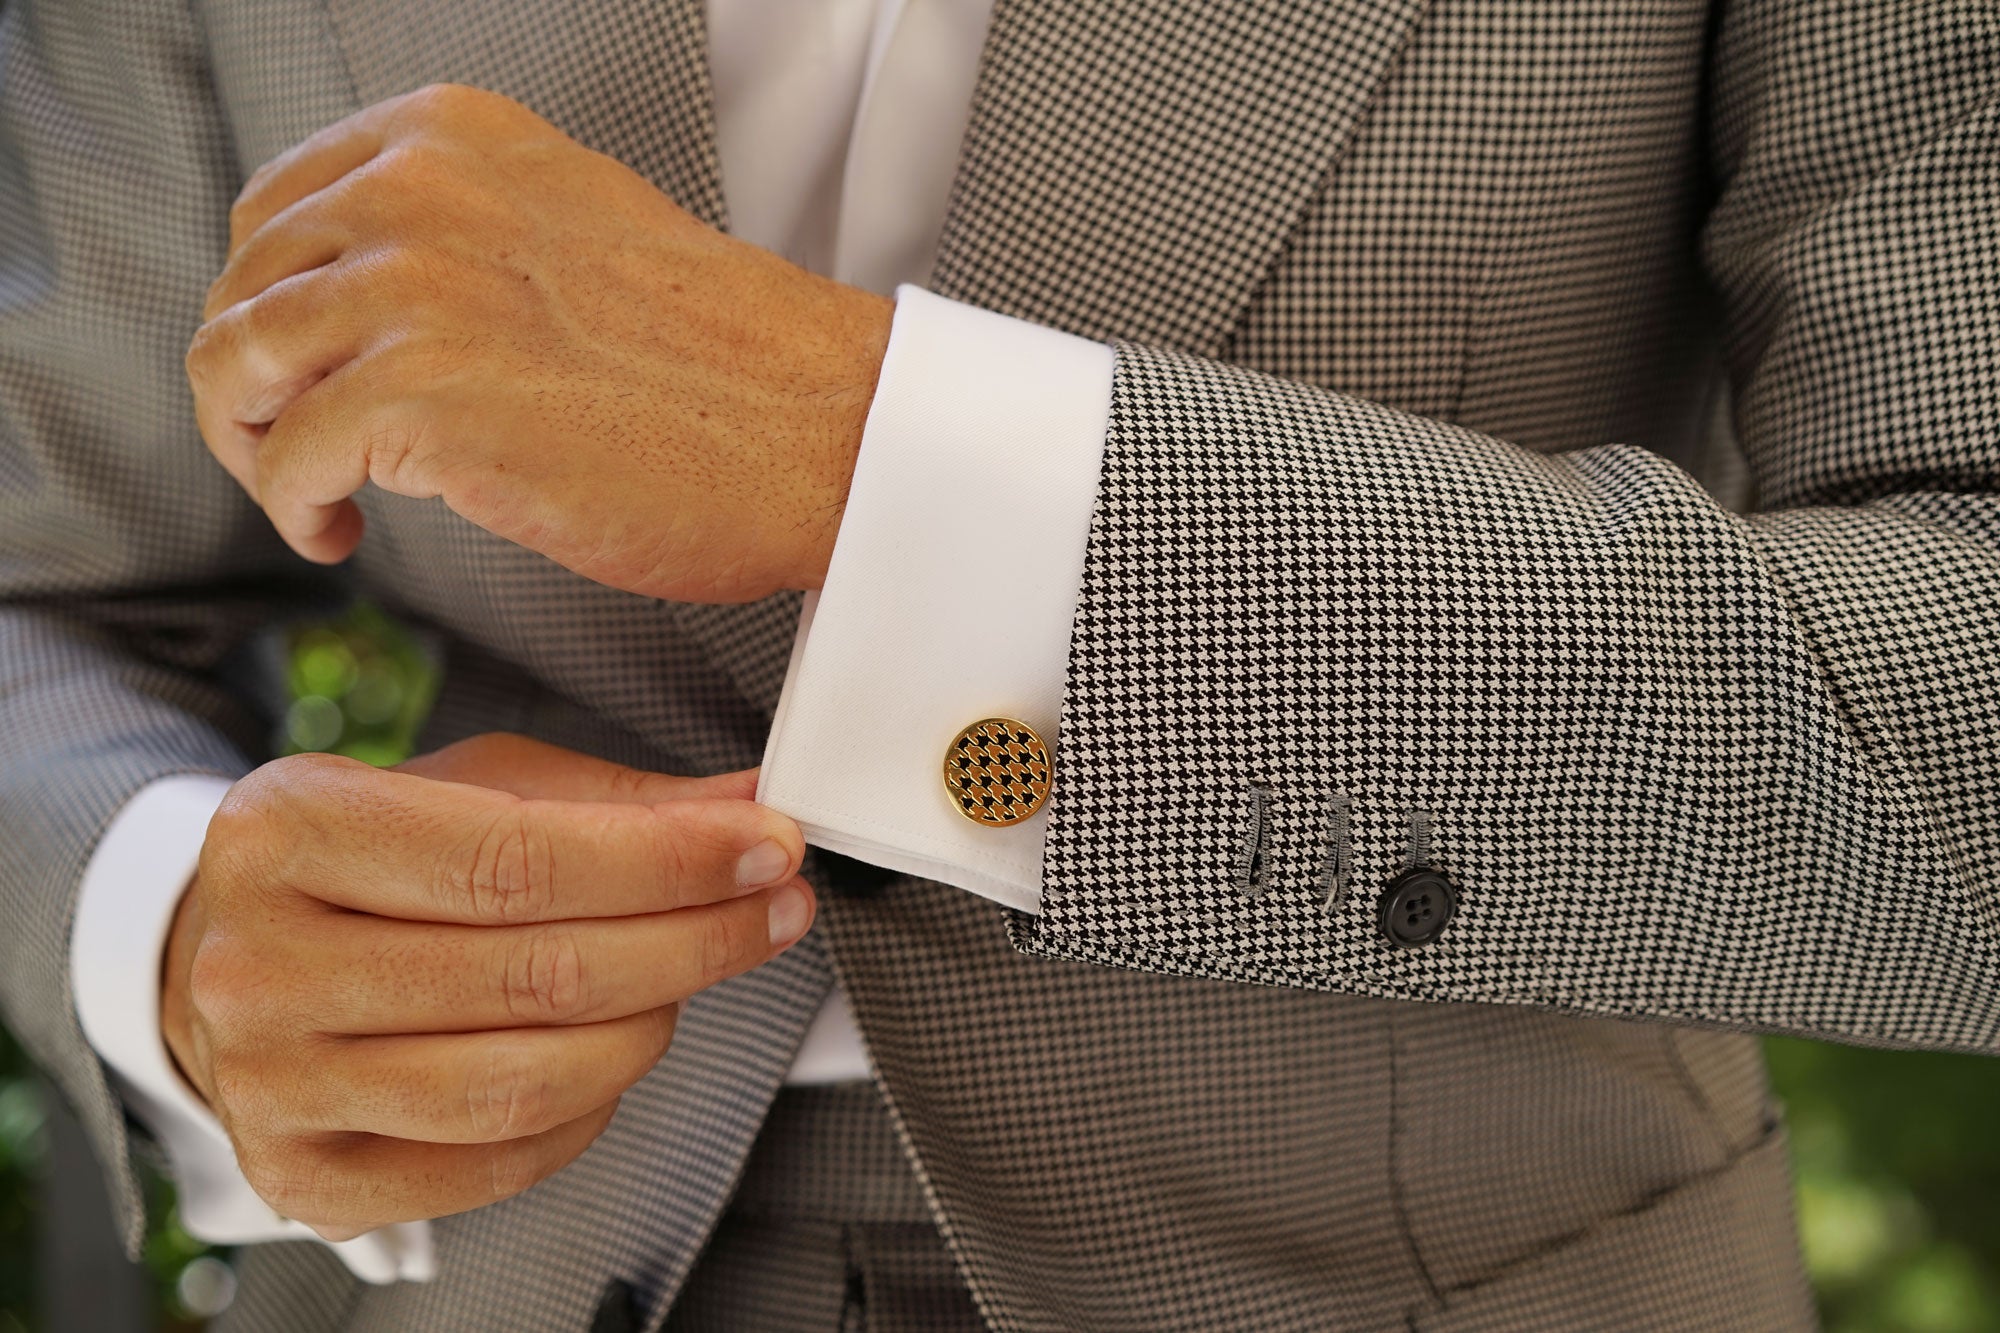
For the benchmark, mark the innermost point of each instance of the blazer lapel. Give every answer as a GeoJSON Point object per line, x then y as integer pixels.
{"type": "Point", "coordinates": [1132, 168]}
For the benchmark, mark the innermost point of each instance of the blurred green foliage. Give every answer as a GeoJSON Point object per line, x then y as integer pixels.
{"type": "Point", "coordinates": [360, 686]}
{"type": "Point", "coordinates": [1897, 1154]}
{"type": "Point", "coordinates": [1897, 1159]}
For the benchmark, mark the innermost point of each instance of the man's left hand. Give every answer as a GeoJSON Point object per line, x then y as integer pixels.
{"type": "Point", "coordinates": [446, 296]}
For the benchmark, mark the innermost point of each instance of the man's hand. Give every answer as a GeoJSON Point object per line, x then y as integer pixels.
{"type": "Point", "coordinates": [409, 993]}
{"type": "Point", "coordinates": [445, 295]}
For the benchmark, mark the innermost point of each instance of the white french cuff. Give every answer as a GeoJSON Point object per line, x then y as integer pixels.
{"type": "Point", "coordinates": [124, 910]}
{"type": "Point", "coordinates": [949, 596]}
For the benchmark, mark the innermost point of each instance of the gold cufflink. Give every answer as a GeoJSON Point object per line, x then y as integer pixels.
{"type": "Point", "coordinates": [996, 771]}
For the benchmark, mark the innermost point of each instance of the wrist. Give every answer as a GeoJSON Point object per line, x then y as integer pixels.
{"type": "Point", "coordinates": [868, 317]}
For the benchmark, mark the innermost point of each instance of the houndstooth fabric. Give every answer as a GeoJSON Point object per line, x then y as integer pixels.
{"type": "Point", "coordinates": [1684, 764]}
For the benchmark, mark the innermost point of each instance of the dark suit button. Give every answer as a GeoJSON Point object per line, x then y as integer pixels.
{"type": "Point", "coordinates": [1417, 906]}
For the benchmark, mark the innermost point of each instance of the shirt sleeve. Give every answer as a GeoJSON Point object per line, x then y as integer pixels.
{"type": "Point", "coordinates": [949, 595]}
{"type": "Point", "coordinates": [125, 907]}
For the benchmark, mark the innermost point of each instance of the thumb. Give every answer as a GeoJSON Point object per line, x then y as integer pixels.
{"type": "Point", "coordinates": [534, 770]}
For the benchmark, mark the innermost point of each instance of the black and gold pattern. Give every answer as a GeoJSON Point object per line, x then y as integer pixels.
{"type": "Point", "coordinates": [997, 771]}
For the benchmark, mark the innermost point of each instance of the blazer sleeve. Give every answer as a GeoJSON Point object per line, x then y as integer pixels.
{"type": "Point", "coordinates": [1674, 763]}
{"type": "Point", "coordinates": [131, 569]}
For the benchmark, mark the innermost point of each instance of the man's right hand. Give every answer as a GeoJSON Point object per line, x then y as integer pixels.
{"type": "Point", "coordinates": [411, 992]}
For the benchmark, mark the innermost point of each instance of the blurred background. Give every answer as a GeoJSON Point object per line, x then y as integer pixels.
{"type": "Point", "coordinates": [1897, 1156]}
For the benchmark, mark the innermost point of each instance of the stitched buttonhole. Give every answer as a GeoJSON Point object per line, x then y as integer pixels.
{"type": "Point", "coordinates": [1336, 867]}
{"type": "Point", "coordinates": [1253, 854]}
{"type": "Point", "coordinates": [1423, 823]}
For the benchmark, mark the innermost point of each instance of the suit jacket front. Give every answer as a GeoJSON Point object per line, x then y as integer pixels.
{"type": "Point", "coordinates": [1368, 585]}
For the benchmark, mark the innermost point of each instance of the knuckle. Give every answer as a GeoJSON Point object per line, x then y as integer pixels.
{"type": "Point", "coordinates": [724, 942]}
{"type": "Point", "coordinates": [243, 325]}
{"type": "Point", "coordinates": [206, 349]}
{"type": "Point", "coordinates": [426, 102]}
{"type": "Point", "coordinates": [512, 877]}
{"type": "Point", "coordinates": [292, 799]}
{"type": "Point", "coordinates": [274, 1182]}
{"type": "Point", "coordinates": [263, 834]}
{"type": "Point", "coordinates": [312, 763]}
{"type": "Point", "coordinates": [442, 103]}
{"type": "Point", "coordinates": [512, 1169]}
{"type": "Point", "coordinates": [253, 322]}
{"type": "Point", "coordinates": [242, 1090]}
{"type": "Point", "coordinates": [294, 776]}
{"type": "Point", "coordinates": [232, 854]}
{"type": "Point", "coordinates": [544, 978]}
{"type": "Point", "coordinates": [508, 1095]}
{"type": "Point", "coordinates": [242, 212]}
{"type": "Point", "coordinates": [415, 170]}
{"type": "Point", "coordinates": [631, 784]}
{"type": "Point", "coordinates": [444, 93]}
{"type": "Point", "coordinates": [242, 807]}
{"type": "Point", "coordinates": [228, 1080]}
{"type": "Point", "coordinates": [291, 1176]}
{"type": "Point", "coordinates": [670, 857]}
{"type": "Point", "coordinates": [224, 982]}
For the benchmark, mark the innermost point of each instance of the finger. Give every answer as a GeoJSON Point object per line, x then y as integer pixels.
{"type": "Point", "coordinates": [398, 845]}
{"type": "Point", "coordinates": [309, 166]}
{"type": "Point", "coordinates": [337, 435]}
{"type": "Point", "coordinates": [307, 235]}
{"type": "Point", "coordinates": [406, 977]}
{"type": "Point", "coordinates": [536, 770]}
{"type": "Point", "coordinates": [322, 158]}
{"type": "Point", "coordinates": [347, 1185]}
{"type": "Point", "coordinates": [231, 443]}
{"type": "Point", "coordinates": [251, 362]}
{"type": "Point", "coordinates": [481, 1087]}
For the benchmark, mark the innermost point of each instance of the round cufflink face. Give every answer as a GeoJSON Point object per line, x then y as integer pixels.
{"type": "Point", "coordinates": [996, 771]}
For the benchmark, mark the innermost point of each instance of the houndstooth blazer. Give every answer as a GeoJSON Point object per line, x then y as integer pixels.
{"type": "Point", "coordinates": [1412, 549]}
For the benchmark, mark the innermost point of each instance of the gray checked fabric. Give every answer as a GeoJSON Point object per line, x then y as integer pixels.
{"type": "Point", "coordinates": [1402, 547]}
{"type": "Point", "coordinates": [828, 1230]}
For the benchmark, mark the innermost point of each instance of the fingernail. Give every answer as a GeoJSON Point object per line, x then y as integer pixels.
{"type": "Point", "coordinates": [788, 914]}
{"type": "Point", "coordinates": [763, 864]}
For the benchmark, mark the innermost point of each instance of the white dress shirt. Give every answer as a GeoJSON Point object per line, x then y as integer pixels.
{"type": "Point", "coordinates": [838, 124]}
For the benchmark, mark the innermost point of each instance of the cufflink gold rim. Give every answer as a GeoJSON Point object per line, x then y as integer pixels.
{"type": "Point", "coordinates": [997, 771]}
